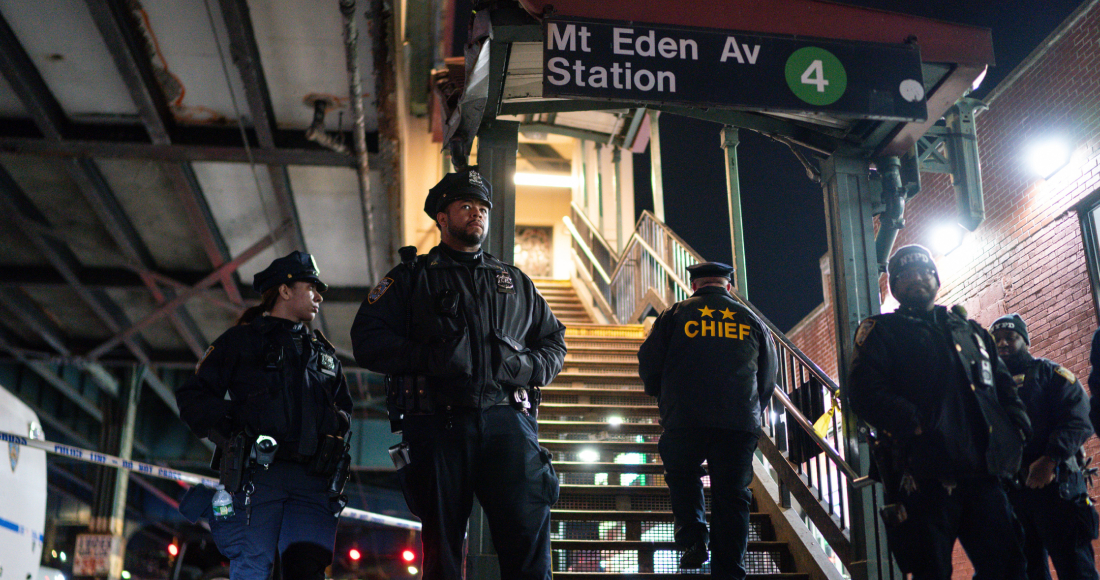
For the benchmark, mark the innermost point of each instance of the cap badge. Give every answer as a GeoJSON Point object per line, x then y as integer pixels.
{"type": "Point", "coordinates": [475, 178]}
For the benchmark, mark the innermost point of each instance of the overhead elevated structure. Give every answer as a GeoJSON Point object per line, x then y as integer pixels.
{"type": "Point", "coordinates": [853, 91]}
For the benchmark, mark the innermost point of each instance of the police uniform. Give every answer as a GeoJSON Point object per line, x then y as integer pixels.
{"type": "Point", "coordinates": [711, 364]}
{"type": "Point", "coordinates": [939, 372]}
{"type": "Point", "coordinates": [285, 383]}
{"type": "Point", "coordinates": [468, 334]}
{"type": "Point", "coordinates": [1059, 519]}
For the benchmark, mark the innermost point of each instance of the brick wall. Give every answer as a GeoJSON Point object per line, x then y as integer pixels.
{"type": "Point", "coordinates": [1027, 256]}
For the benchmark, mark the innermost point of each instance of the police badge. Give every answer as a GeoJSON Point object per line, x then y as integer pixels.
{"type": "Point", "coordinates": [328, 365]}
{"type": "Point", "coordinates": [504, 283]}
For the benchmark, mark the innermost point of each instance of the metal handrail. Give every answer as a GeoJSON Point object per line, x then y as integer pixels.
{"type": "Point", "coordinates": [656, 258]}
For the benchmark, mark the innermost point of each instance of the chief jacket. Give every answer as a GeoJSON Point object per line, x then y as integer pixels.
{"type": "Point", "coordinates": [938, 371]}
{"type": "Point", "coordinates": [710, 362]}
{"type": "Point", "coordinates": [1057, 406]}
{"type": "Point", "coordinates": [274, 390]}
{"type": "Point", "coordinates": [474, 333]}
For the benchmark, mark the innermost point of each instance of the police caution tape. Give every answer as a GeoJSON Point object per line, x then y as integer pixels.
{"type": "Point", "coordinates": [89, 456]}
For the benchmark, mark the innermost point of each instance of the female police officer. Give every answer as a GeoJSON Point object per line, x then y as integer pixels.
{"type": "Point", "coordinates": [283, 384]}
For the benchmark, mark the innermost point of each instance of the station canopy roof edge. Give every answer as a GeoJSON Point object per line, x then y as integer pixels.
{"type": "Point", "coordinates": [952, 58]}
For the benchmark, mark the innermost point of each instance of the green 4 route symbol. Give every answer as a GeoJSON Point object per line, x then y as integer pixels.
{"type": "Point", "coordinates": [816, 76]}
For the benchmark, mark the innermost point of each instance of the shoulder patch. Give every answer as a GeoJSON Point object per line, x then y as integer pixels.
{"type": "Point", "coordinates": [864, 329]}
{"type": "Point", "coordinates": [1066, 374]}
{"type": "Point", "coordinates": [198, 365]}
{"type": "Point", "coordinates": [379, 290]}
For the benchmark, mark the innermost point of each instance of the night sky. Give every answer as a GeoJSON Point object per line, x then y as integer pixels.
{"type": "Point", "coordinates": [783, 211]}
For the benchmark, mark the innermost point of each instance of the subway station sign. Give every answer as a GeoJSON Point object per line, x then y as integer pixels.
{"type": "Point", "coordinates": [635, 62]}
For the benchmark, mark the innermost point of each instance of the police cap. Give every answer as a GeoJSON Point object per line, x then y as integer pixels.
{"type": "Point", "coordinates": [459, 185]}
{"type": "Point", "coordinates": [292, 267]}
{"type": "Point", "coordinates": [908, 258]}
{"type": "Point", "coordinates": [710, 270]}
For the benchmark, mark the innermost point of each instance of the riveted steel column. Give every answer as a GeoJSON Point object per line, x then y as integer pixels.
{"type": "Point", "coordinates": [730, 140]}
{"type": "Point", "coordinates": [655, 175]}
{"type": "Point", "coordinates": [849, 204]}
{"type": "Point", "coordinates": [497, 143]}
{"type": "Point", "coordinates": [126, 453]}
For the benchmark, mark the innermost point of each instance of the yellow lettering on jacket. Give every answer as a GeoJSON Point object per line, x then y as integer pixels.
{"type": "Point", "coordinates": [687, 329]}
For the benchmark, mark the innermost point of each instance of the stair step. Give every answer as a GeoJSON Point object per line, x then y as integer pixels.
{"type": "Point", "coordinates": [550, 427]}
{"type": "Point", "coordinates": [615, 490]}
{"type": "Point", "coordinates": [593, 330]}
{"type": "Point", "coordinates": [633, 516]}
{"type": "Point", "coordinates": [603, 446]}
{"type": "Point", "coordinates": [754, 545]}
{"type": "Point", "coordinates": [670, 576]}
{"type": "Point", "coordinates": [605, 467]}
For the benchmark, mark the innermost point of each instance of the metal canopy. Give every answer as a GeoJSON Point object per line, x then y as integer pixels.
{"type": "Point", "coordinates": [953, 57]}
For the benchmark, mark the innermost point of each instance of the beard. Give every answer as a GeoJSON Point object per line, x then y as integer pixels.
{"type": "Point", "coordinates": [465, 236]}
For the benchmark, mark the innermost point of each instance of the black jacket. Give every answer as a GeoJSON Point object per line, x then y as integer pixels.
{"type": "Point", "coordinates": [273, 389]}
{"type": "Point", "coordinates": [1057, 406]}
{"type": "Point", "coordinates": [471, 332]}
{"type": "Point", "coordinates": [941, 372]}
{"type": "Point", "coordinates": [710, 362]}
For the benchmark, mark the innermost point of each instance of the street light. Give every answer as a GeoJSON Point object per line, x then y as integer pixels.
{"type": "Point", "coordinates": [946, 238]}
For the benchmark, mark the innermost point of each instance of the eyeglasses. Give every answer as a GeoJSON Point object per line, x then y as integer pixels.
{"type": "Point", "coordinates": [914, 273]}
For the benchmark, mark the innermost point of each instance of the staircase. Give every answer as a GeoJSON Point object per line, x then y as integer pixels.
{"type": "Point", "coordinates": [614, 517]}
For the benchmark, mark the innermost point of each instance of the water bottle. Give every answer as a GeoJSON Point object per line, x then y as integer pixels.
{"type": "Point", "coordinates": [223, 504]}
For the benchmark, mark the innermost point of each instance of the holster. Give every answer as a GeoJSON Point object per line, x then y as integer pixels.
{"type": "Point", "coordinates": [330, 450]}
{"type": "Point", "coordinates": [231, 461]}
{"type": "Point", "coordinates": [407, 395]}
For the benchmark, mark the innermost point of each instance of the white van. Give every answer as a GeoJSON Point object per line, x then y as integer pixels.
{"type": "Point", "coordinates": [23, 489]}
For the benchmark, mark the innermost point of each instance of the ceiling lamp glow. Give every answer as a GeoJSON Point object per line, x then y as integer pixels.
{"type": "Point", "coordinates": [1047, 157]}
{"type": "Point", "coordinates": [545, 180]}
{"type": "Point", "coordinates": [946, 238]}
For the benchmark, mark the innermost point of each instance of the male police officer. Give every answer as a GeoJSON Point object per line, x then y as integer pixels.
{"type": "Point", "coordinates": [949, 424]}
{"type": "Point", "coordinates": [711, 364]}
{"type": "Point", "coordinates": [466, 337]}
{"type": "Point", "coordinates": [1051, 502]}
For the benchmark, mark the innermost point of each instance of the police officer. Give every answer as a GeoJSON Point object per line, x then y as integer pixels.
{"type": "Point", "coordinates": [711, 364]}
{"type": "Point", "coordinates": [1051, 501]}
{"type": "Point", "coordinates": [287, 398]}
{"type": "Point", "coordinates": [949, 424]}
{"type": "Point", "coordinates": [465, 339]}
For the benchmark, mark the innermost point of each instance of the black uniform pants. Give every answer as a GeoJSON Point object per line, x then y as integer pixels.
{"type": "Point", "coordinates": [493, 454]}
{"type": "Point", "coordinates": [728, 454]}
{"type": "Point", "coordinates": [976, 513]}
{"type": "Point", "coordinates": [1062, 528]}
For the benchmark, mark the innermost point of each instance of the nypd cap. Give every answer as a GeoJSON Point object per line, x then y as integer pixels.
{"type": "Point", "coordinates": [1012, 322]}
{"type": "Point", "coordinates": [710, 270]}
{"type": "Point", "coordinates": [467, 184]}
{"type": "Point", "coordinates": [290, 268]}
{"type": "Point", "coordinates": [908, 258]}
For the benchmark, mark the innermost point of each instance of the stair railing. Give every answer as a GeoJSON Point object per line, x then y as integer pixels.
{"type": "Point", "coordinates": [651, 271]}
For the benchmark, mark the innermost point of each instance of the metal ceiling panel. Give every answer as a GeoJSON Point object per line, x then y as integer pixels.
{"type": "Point", "coordinates": [136, 303]}
{"type": "Point", "coordinates": [599, 121]}
{"type": "Point", "coordinates": [22, 332]}
{"type": "Point", "coordinates": [72, 315]}
{"type": "Point", "coordinates": [302, 50]}
{"type": "Point", "coordinates": [70, 56]}
{"type": "Point", "coordinates": [9, 102]}
{"type": "Point", "coordinates": [244, 212]}
{"type": "Point", "coordinates": [212, 319]}
{"type": "Point", "coordinates": [146, 195]}
{"type": "Point", "coordinates": [339, 316]}
{"type": "Point", "coordinates": [14, 246]}
{"type": "Point", "coordinates": [49, 187]}
{"type": "Point", "coordinates": [332, 222]}
{"type": "Point", "coordinates": [189, 47]}
{"type": "Point", "coordinates": [523, 78]}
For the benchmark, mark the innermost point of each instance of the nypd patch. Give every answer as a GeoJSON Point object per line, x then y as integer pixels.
{"type": "Point", "coordinates": [864, 330]}
{"type": "Point", "coordinates": [379, 290]}
{"type": "Point", "coordinates": [1066, 374]}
